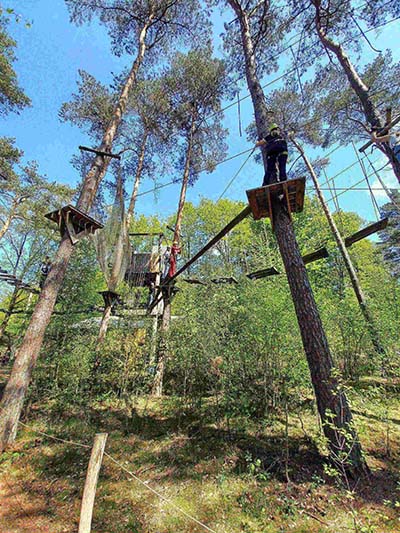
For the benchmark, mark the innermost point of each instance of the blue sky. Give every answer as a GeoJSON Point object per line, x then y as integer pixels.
{"type": "Point", "coordinates": [51, 52]}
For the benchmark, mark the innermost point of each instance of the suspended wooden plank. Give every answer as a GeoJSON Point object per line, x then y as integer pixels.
{"type": "Point", "coordinates": [151, 234]}
{"type": "Point", "coordinates": [74, 221]}
{"type": "Point", "coordinates": [194, 281]}
{"type": "Point", "coordinates": [315, 256]}
{"type": "Point", "coordinates": [227, 279]}
{"type": "Point", "coordinates": [99, 152]}
{"type": "Point", "coordinates": [260, 199]}
{"type": "Point", "coordinates": [263, 273]}
{"type": "Point", "coordinates": [366, 232]}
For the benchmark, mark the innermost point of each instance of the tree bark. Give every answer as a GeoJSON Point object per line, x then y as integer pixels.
{"type": "Point", "coordinates": [105, 319]}
{"type": "Point", "coordinates": [131, 209]}
{"type": "Point", "coordinates": [371, 112]}
{"type": "Point", "coordinates": [332, 404]}
{"type": "Point", "coordinates": [26, 357]}
{"type": "Point", "coordinates": [361, 299]}
{"type": "Point", "coordinates": [157, 388]}
{"type": "Point", "coordinates": [185, 180]}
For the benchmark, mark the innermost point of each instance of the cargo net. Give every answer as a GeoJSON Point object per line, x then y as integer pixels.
{"type": "Point", "coordinates": [112, 243]}
{"type": "Point", "coordinates": [143, 272]}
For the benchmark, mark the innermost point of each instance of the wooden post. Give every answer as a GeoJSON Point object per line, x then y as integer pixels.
{"type": "Point", "coordinates": [89, 491]}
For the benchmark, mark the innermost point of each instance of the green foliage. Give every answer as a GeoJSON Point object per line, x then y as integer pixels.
{"type": "Point", "coordinates": [12, 97]}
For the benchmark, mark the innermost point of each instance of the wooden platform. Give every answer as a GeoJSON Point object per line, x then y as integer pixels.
{"type": "Point", "coordinates": [221, 280]}
{"type": "Point", "coordinates": [264, 273]}
{"type": "Point", "coordinates": [366, 232]}
{"type": "Point", "coordinates": [315, 256]}
{"type": "Point", "coordinates": [74, 221]}
{"type": "Point", "coordinates": [194, 281]}
{"type": "Point", "coordinates": [261, 199]}
{"type": "Point", "coordinates": [12, 280]}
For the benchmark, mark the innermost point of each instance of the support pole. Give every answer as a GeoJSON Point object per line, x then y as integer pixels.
{"type": "Point", "coordinates": [89, 491]}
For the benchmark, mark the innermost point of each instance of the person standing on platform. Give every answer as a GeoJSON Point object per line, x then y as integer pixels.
{"type": "Point", "coordinates": [276, 148]}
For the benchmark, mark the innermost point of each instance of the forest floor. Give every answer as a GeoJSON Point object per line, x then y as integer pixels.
{"type": "Point", "coordinates": [238, 479]}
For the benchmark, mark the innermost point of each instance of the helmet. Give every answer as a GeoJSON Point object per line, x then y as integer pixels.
{"type": "Point", "coordinates": [273, 126]}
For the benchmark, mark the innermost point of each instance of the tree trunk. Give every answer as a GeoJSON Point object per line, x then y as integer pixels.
{"type": "Point", "coordinates": [14, 393]}
{"type": "Point", "coordinates": [105, 319]}
{"type": "Point", "coordinates": [331, 401]}
{"type": "Point", "coordinates": [346, 257]}
{"type": "Point", "coordinates": [371, 112]}
{"type": "Point", "coordinates": [185, 181]}
{"type": "Point", "coordinates": [157, 388]}
{"type": "Point", "coordinates": [138, 175]}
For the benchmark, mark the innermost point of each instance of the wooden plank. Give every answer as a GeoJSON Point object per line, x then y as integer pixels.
{"type": "Point", "coordinates": [230, 279]}
{"type": "Point", "coordinates": [153, 234]}
{"type": "Point", "coordinates": [260, 198]}
{"type": "Point", "coordinates": [314, 256]}
{"type": "Point", "coordinates": [263, 273]}
{"type": "Point", "coordinates": [194, 281]}
{"type": "Point", "coordinates": [99, 152]}
{"type": "Point", "coordinates": [382, 131]}
{"type": "Point", "coordinates": [365, 232]}
{"type": "Point", "coordinates": [92, 476]}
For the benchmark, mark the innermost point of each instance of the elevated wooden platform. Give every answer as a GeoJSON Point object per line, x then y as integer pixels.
{"type": "Point", "coordinates": [263, 273]}
{"type": "Point", "coordinates": [315, 256]}
{"type": "Point", "coordinates": [260, 199]}
{"type": "Point", "coordinates": [74, 221]}
{"type": "Point", "coordinates": [366, 232]}
{"type": "Point", "coordinates": [223, 280]}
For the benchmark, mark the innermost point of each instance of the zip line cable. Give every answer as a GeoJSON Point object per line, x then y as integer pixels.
{"type": "Point", "coordinates": [387, 190]}
{"type": "Point", "coordinates": [161, 496]}
{"type": "Point", "coordinates": [237, 102]}
{"type": "Point", "coordinates": [134, 476]}
{"type": "Point", "coordinates": [373, 199]}
{"type": "Point", "coordinates": [236, 175]}
{"type": "Point", "coordinates": [174, 182]}
{"type": "Point", "coordinates": [294, 69]}
{"type": "Point", "coordinates": [354, 185]}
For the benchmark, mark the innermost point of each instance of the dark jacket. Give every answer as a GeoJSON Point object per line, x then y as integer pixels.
{"type": "Point", "coordinates": [276, 144]}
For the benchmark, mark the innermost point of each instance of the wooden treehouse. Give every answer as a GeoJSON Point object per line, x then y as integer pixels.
{"type": "Point", "coordinates": [145, 266]}
{"type": "Point", "coordinates": [74, 222]}
{"type": "Point", "coordinates": [291, 192]}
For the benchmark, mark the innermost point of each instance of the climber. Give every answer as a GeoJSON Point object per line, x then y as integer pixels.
{"type": "Point", "coordinates": [165, 262]}
{"type": "Point", "coordinates": [276, 149]}
{"type": "Point", "coordinates": [175, 250]}
{"type": "Point", "coordinates": [44, 270]}
{"type": "Point", "coordinates": [392, 138]}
